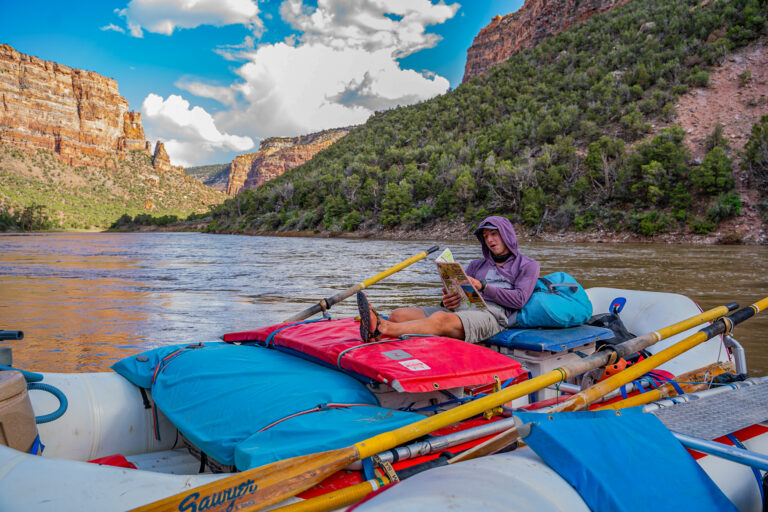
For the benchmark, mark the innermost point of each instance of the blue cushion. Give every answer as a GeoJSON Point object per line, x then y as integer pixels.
{"type": "Point", "coordinates": [220, 395]}
{"type": "Point", "coordinates": [140, 368]}
{"type": "Point", "coordinates": [317, 431]}
{"type": "Point", "coordinates": [554, 340]}
{"type": "Point", "coordinates": [623, 463]}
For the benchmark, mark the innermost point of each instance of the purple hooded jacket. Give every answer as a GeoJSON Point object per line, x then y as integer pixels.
{"type": "Point", "coordinates": [511, 284]}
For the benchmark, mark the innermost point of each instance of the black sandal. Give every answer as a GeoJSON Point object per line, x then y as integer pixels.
{"type": "Point", "coordinates": [364, 308]}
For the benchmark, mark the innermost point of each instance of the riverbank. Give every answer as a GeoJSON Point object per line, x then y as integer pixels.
{"type": "Point", "coordinates": [732, 232]}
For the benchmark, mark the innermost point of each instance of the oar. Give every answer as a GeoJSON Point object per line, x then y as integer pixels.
{"type": "Point", "coordinates": [266, 485]}
{"type": "Point", "coordinates": [330, 301]}
{"type": "Point", "coordinates": [582, 399]}
{"type": "Point", "coordinates": [336, 499]}
{"type": "Point", "coordinates": [691, 382]}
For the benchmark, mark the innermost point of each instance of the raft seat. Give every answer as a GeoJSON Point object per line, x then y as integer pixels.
{"type": "Point", "coordinates": [542, 350]}
{"type": "Point", "coordinates": [550, 340]}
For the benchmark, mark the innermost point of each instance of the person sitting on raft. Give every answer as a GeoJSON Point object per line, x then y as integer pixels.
{"type": "Point", "coordinates": [505, 278]}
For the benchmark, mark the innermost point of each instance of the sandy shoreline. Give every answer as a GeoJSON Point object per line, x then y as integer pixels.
{"type": "Point", "coordinates": [458, 231]}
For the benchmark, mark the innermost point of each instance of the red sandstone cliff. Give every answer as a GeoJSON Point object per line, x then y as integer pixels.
{"type": "Point", "coordinates": [275, 156]}
{"type": "Point", "coordinates": [535, 21]}
{"type": "Point", "coordinates": [77, 114]}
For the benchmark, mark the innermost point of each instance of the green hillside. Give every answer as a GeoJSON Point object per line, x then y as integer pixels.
{"type": "Point", "coordinates": [209, 174]}
{"type": "Point", "coordinates": [550, 138]}
{"type": "Point", "coordinates": [39, 192]}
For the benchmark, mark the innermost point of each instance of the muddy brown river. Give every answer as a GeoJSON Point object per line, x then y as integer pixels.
{"type": "Point", "coordinates": [85, 300]}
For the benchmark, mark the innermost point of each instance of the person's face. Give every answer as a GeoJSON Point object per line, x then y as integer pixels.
{"type": "Point", "coordinates": [493, 241]}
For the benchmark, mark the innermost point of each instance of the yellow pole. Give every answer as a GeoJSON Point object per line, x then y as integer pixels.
{"type": "Point", "coordinates": [404, 434]}
{"type": "Point", "coordinates": [690, 382]}
{"type": "Point", "coordinates": [397, 268]}
{"type": "Point", "coordinates": [330, 301]}
{"type": "Point", "coordinates": [336, 499]}
{"type": "Point", "coordinates": [582, 399]}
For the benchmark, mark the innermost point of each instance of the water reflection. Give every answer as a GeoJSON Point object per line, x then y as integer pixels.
{"type": "Point", "coordinates": [87, 300]}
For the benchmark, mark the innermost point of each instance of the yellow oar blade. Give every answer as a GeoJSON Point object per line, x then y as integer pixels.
{"type": "Point", "coordinates": [259, 487]}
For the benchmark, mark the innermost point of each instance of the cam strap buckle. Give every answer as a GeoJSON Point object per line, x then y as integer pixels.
{"type": "Point", "coordinates": [387, 468]}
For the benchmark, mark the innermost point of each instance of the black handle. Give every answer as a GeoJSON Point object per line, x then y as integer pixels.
{"type": "Point", "coordinates": [722, 326]}
{"type": "Point", "coordinates": [11, 335]}
{"type": "Point", "coordinates": [432, 249]}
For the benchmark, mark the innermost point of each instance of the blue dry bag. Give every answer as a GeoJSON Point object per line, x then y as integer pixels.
{"type": "Point", "coordinates": [557, 301]}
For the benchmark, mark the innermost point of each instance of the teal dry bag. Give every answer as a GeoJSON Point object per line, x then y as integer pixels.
{"type": "Point", "coordinates": [557, 301]}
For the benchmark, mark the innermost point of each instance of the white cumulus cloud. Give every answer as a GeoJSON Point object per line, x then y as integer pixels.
{"type": "Point", "coordinates": [397, 25]}
{"type": "Point", "coordinates": [189, 134]}
{"type": "Point", "coordinates": [290, 90]}
{"type": "Point", "coordinates": [223, 94]}
{"type": "Point", "coordinates": [340, 67]}
{"type": "Point", "coordinates": [165, 16]}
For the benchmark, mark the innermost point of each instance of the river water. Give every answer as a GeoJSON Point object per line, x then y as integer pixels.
{"type": "Point", "coordinates": [85, 300]}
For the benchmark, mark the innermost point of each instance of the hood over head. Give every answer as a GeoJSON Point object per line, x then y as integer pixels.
{"type": "Point", "coordinates": [506, 230]}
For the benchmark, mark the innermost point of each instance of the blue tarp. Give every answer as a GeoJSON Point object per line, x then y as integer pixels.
{"type": "Point", "coordinates": [623, 463]}
{"type": "Point", "coordinates": [319, 431]}
{"type": "Point", "coordinates": [220, 395]}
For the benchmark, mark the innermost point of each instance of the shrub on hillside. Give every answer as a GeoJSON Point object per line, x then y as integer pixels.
{"type": "Point", "coordinates": [725, 207]}
{"type": "Point", "coordinates": [716, 138]}
{"type": "Point", "coordinates": [755, 160]}
{"type": "Point", "coordinates": [715, 174]}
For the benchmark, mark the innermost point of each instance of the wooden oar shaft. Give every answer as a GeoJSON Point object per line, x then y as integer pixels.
{"type": "Point", "coordinates": [582, 399]}
{"type": "Point", "coordinates": [690, 382]}
{"type": "Point", "coordinates": [258, 488]}
{"type": "Point", "coordinates": [336, 499]}
{"type": "Point", "coordinates": [330, 301]}
{"type": "Point", "coordinates": [488, 447]}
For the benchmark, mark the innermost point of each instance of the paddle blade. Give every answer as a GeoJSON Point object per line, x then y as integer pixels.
{"type": "Point", "coordinates": [489, 447]}
{"type": "Point", "coordinates": [260, 487]}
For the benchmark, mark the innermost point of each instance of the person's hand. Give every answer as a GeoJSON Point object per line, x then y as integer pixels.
{"type": "Point", "coordinates": [475, 282]}
{"type": "Point", "coordinates": [451, 300]}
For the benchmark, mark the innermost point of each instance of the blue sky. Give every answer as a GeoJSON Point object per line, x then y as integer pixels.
{"type": "Point", "coordinates": [214, 77]}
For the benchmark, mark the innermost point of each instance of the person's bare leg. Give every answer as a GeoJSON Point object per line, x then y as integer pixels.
{"type": "Point", "coordinates": [440, 323]}
{"type": "Point", "coordinates": [406, 315]}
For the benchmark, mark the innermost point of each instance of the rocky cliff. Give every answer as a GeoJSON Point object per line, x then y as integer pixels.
{"type": "Point", "coordinates": [80, 115]}
{"type": "Point", "coordinates": [275, 156]}
{"type": "Point", "coordinates": [535, 21]}
{"type": "Point", "coordinates": [161, 162]}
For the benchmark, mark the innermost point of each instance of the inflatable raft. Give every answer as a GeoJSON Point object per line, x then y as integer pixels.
{"type": "Point", "coordinates": [185, 415]}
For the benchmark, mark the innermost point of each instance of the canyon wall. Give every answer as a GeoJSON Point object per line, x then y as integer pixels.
{"type": "Point", "coordinates": [535, 21]}
{"type": "Point", "coordinates": [79, 115]}
{"type": "Point", "coordinates": [275, 156]}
